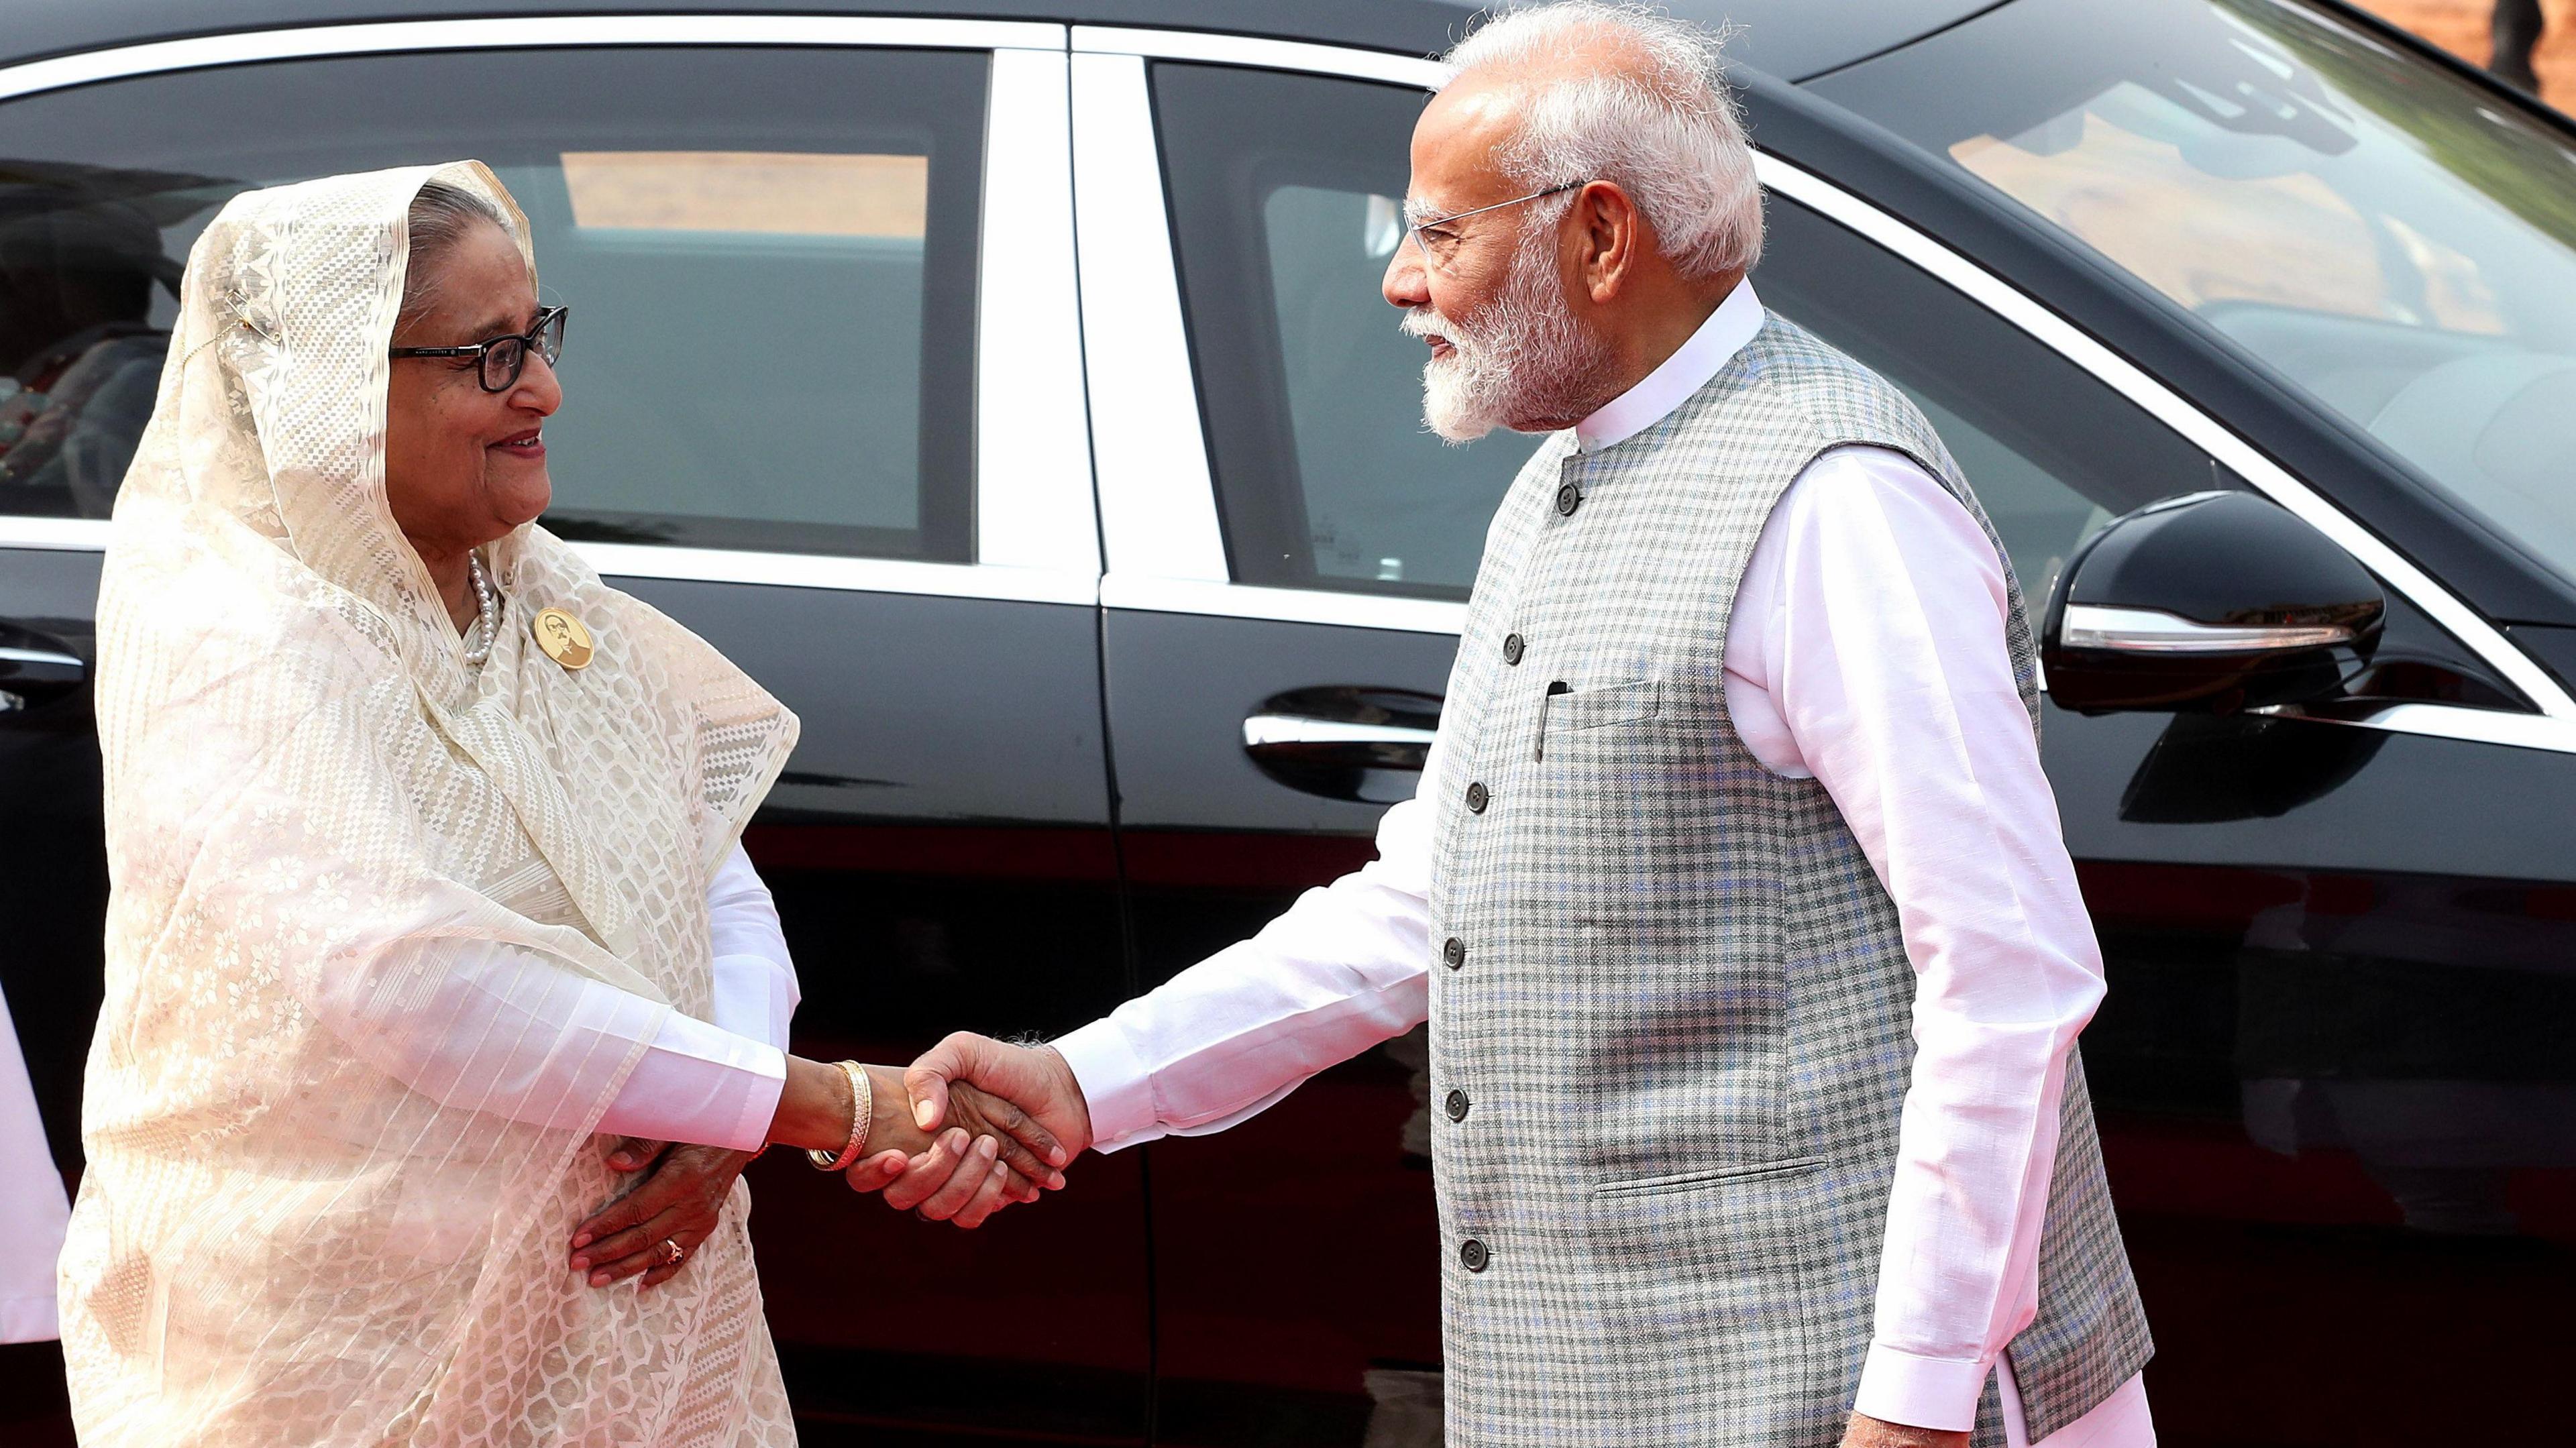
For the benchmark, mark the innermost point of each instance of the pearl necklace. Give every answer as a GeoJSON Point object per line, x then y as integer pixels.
{"type": "Point", "coordinates": [487, 612]}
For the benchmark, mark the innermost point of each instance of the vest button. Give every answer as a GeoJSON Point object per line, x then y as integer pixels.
{"type": "Point", "coordinates": [1568, 498]}
{"type": "Point", "coordinates": [1476, 798]}
{"type": "Point", "coordinates": [1457, 1105]}
{"type": "Point", "coordinates": [1473, 1256]}
{"type": "Point", "coordinates": [1512, 647]}
{"type": "Point", "coordinates": [1455, 952]}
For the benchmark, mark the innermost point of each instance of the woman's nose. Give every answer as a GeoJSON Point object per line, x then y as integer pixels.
{"type": "Point", "coordinates": [539, 390]}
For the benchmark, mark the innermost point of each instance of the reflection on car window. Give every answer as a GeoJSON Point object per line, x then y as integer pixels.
{"type": "Point", "coordinates": [2051, 452]}
{"type": "Point", "coordinates": [1285, 203]}
{"type": "Point", "coordinates": [2389, 237]}
{"type": "Point", "coordinates": [82, 273]}
{"type": "Point", "coordinates": [769, 254]}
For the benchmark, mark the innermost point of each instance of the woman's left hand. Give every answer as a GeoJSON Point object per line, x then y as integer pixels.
{"type": "Point", "coordinates": [679, 1204]}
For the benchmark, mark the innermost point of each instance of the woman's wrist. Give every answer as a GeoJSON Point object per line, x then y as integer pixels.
{"type": "Point", "coordinates": [814, 1108]}
{"type": "Point", "coordinates": [890, 1119]}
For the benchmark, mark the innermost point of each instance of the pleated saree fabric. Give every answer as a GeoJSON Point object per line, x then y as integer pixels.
{"type": "Point", "coordinates": [315, 806]}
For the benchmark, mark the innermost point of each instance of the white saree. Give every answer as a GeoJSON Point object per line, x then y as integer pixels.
{"type": "Point", "coordinates": [314, 805]}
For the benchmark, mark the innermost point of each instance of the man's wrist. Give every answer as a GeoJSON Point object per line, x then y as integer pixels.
{"type": "Point", "coordinates": [1868, 1432]}
{"type": "Point", "coordinates": [1113, 1083]}
{"type": "Point", "coordinates": [1079, 1103]}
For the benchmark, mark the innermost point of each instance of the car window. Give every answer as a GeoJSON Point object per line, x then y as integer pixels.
{"type": "Point", "coordinates": [768, 254]}
{"type": "Point", "coordinates": [1285, 200]}
{"type": "Point", "coordinates": [2393, 239]}
{"type": "Point", "coordinates": [2051, 452]}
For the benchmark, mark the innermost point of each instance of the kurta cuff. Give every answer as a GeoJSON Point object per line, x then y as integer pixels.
{"type": "Point", "coordinates": [1921, 1392]}
{"type": "Point", "coordinates": [760, 1103]}
{"type": "Point", "coordinates": [1116, 1085]}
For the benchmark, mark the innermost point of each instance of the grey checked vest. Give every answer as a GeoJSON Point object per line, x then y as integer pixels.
{"type": "Point", "coordinates": [1670, 1025]}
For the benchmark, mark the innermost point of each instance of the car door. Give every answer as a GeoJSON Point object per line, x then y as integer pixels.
{"type": "Point", "coordinates": [797, 254]}
{"type": "Point", "coordinates": [1288, 555]}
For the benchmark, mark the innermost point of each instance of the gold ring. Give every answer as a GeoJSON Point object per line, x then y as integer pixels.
{"type": "Point", "coordinates": [672, 1252]}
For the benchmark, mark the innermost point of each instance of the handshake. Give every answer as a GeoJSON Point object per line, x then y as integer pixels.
{"type": "Point", "coordinates": [971, 1127]}
{"type": "Point", "coordinates": [989, 1123]}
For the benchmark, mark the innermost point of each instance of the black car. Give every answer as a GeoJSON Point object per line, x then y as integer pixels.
{"type": "Point", "coordinates": [1004, 383]}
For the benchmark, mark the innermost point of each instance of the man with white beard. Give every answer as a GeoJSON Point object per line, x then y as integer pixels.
{"type": "Point", "coordinates": [1733, 892]}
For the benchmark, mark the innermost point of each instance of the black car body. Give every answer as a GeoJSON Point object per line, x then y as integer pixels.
{"type": "Point", "coordinates": [1021, 411]}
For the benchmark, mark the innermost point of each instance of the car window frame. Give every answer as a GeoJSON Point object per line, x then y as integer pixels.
{"type": "Point", "coordinates": [1034, 524]}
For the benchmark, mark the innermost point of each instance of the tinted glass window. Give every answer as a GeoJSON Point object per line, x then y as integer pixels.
{"type": "Point", "coordinates": [2051, 452]}
{"type": "Point", "coordinates": [769, 256]}
{"type": "Point", "coordinates": [2394, 239]}
{"type": "Point", "coordinates": [1285, 197]}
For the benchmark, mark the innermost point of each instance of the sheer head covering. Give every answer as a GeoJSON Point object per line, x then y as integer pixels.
{"type": "Point", "coordinates": [314, 806]}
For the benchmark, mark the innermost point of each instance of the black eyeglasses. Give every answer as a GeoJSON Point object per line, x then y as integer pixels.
{"type": "Point", "coordinates": [504, 358]}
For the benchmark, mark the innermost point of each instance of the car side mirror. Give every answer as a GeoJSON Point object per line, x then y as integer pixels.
{"type": "Point", "coordinates": [2207, 603]}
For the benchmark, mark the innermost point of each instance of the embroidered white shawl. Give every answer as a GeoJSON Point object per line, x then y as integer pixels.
{"type": "Point", "coordinates": [312, 801]}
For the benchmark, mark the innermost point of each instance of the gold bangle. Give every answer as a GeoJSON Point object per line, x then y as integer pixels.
{"type": "Point", "coordinates": [862, 1110]}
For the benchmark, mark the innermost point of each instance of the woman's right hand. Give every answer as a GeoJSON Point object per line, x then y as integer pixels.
{"type": "Point", "coordinates": [975, 1166]}
{"type": "Point", "coordinates": [1022, 1156]}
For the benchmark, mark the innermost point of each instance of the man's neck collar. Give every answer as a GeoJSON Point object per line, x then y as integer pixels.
{"type": "Point", "coordinates": [1698, 359]}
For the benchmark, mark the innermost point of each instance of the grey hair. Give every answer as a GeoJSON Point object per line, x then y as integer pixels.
{"type": "Point", "coordinates": [441, 215]}
{"type": "Point", "coordinates": [1662, 124]}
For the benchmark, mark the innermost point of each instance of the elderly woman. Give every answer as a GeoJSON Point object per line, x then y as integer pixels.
{"type": "Point", "coordinates": [427, 897]}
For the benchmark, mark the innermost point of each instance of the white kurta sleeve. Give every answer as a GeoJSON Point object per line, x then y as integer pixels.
{"type": "Point", "coordinates": [756, 990]}
{"type": "Point", "coordinates": [1882, 648]}
{"type": "Point", "coordinates": [504, 1019]}
{"type": "Point", "coordinates": [1345, 968]}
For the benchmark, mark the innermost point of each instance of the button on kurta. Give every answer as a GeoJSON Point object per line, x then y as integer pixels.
{"type": "Point", "coordinates": [1512, 647]}
{"type": "Point", "coordinates": [1455, 952]}
{"type": "Point", "coordinates": [1568, 498]}
{"type": "Point", "coordinates": [1473, 1256]}
{"type": "Point", "coordinates": [1476, 797]}
{"type": "Point", "coordinates": [1457, 1105]}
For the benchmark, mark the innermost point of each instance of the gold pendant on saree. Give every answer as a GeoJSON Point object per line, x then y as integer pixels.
{"type": "Point", "coordinates": [562, 637]}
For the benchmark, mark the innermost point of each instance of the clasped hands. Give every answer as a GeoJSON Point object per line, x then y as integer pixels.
{"type": "Point", "coordinates": [973, 1126]}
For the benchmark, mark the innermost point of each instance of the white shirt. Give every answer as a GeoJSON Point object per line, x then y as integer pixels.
{"type": "Point", "coordinates": [1866, 650]}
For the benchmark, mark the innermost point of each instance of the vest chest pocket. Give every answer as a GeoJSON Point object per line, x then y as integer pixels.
{"type": "Point", "coordinates": [1570, 711]}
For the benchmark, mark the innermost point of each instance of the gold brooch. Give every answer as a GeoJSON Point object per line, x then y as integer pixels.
{"type": "Point", "coordinates": [562, 637]}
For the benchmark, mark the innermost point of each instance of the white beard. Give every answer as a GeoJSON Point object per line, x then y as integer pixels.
{"type": "Point", "coordinates": [1526, 360]}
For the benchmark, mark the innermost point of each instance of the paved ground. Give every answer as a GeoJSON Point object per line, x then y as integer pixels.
{"type": "Point", "coordinates": [2460, 26]}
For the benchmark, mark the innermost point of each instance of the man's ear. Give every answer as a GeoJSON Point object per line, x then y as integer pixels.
{"type": "Point", "coordinates": [1612, 231]}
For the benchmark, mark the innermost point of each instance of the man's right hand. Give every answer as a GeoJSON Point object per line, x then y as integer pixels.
{"type": "Point", "coordinates": [1018, 1079]}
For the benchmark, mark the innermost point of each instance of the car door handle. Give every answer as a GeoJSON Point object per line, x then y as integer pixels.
{"type": "Point", "coordinates": [1344, 741]}
{"type": "Point", "coordinates": [1306, 739]}
{"type": "Point", "coordinates": [36, 669]}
